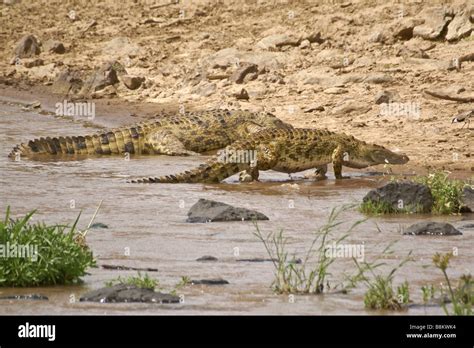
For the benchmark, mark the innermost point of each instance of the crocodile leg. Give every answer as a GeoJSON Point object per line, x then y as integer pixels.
{"type": "Point", "coordinates": [320, 172]}
{"type": "Point", "coordinates": [249, 175]}
{"type": "Point", "coordinates": [166, 143]}
{"type": "Point", "coordinates": [337, 159]}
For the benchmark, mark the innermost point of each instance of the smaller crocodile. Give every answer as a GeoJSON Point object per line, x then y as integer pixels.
{"type": "Point", "coordinates": [167, 134]}
{"type": "Point", "coordinates": [287, 151]}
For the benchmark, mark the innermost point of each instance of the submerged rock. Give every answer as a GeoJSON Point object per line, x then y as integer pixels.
{"type": "Point", "coordinates": [431, 228]}
{"type": "Point", "coordinates": [209, 211]}
{"type": "Point", "coordinates": [403, 196]}
{"type": "Point", "coordinates": [34, 297]}
{"type": "Point", "coordinates": [127, 293]}
{"type": "Point", "coordinates": [207, 258]}
{"type": "Point", "coordinates": [99, 225]}
{"type": "Point", "coordinates": [216, 281]}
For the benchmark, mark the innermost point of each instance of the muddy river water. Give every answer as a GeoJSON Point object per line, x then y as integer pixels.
{"type": "Point", "coordinates": [147, 228]}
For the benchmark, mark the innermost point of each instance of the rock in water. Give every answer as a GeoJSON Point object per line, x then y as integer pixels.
{"type": "Point", "coordinates": [403, 196]}
{"type": "Point", "coordinates": [127, 293]}
{"type": "Point", "coordinates": [467, 199]}
{"type": "Point", "coordinates": [209, 211]}
{"type": "Point", "coordinates": [98, 225]}
{"type": "Point", "coordinates": [207, 258]}
{"type": "Point", "coordinates": [27, 47]}
{"type": "Point", "coordinates": [431, 228]}
{"type": "Point", "coordinates": [216, 281]}
{"type": "Point", "coordinates": [32, 297]}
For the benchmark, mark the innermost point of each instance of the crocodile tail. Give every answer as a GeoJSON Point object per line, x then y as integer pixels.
{"type": "Point", "coordinates": [117, 141]}
{"type": "Point", "coordinates": [213, 171]}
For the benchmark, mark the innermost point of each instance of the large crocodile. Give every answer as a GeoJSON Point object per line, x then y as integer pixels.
{"type": "Point", "coordinates": [287, 151]}
{"type": "Point", "coordinates": [176, 134]}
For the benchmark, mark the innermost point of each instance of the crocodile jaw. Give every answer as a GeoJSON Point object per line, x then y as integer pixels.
{"type": "Point", "coordinates": [376, 157]}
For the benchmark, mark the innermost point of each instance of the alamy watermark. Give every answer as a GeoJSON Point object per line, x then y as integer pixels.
{"type": "Point", "coordinates": [229, 155]}
{"type": "Point", "coordinates": [349, 251]}
{"type": "Point", "coordinates": [410, 109]}
{"type": "Point", "coordinates": [24, 251]}
{"type": "Point", "coordinates": [77, 109]}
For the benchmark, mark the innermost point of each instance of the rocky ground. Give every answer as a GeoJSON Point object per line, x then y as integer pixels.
{"type": "Point", "coordinates": [395, 74]}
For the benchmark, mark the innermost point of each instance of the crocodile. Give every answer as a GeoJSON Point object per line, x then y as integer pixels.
{"type": "Point", "coordinates": [167, 134]}
{"type": "Point", "coordinates": [287, 151]}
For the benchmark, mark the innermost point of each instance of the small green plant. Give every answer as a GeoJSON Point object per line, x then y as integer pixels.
{"type": "Point", "coordinates": [428, 292]}
{"type": "Point", "coordinates": [380, 293]}
{"type": "Point", "coordinates": [382, 208]}
{"type": "Point", "coordinates": [446, 192]}
{"type": "Point", "coordinates": [185, 280]}
{"type": "Point", "coordinates": [311, 274]}
{"type": "Point", "coordinates": [403, 293]}
{"type": "Point", "coordinates": [139, 281]}
{"type": "Point", "coordinates": [58, 254]}
{"type": "Point", "coordinates": [462, 296]}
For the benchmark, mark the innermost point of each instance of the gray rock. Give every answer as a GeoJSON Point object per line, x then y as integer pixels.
{"type": "Point", "coordinates": [246, 68]}
{"type": "Point", "coordinates": [314, 107]}
{"type": "Point", "coordinates": [207, 258]}
{"type": "Point", "coordinates": [32, 62]}
{"type": "Point", "coordinates": [120, 47]}
{"type": "Point", "coordinates": [132, 82]}
{"type": "Point", "coordinates": [403, 29]}
{"type": "Point", "coordinates": [467, 227]}
{"type": "Point", "coordinates": [216, 281]}
{"type": "Point", "coordinates": [127, 293]}
{"type": "Point", "coordinates": [405, 196]}
{"type": "Point", "coordinates": [32, 297]}
{"type": "Point", "coordinates": [242, 95]}
{"type": "Point", "coordinates": [209, 211]}
{"type": "Point", "coordinates": [377, 78]}
{"type": "Point", "coordinates": [205, 89]}
{"type": "Point", "coordinates": [385, 97]}
{"type": "Point", "coordinates": [27, 47]}
{"type": "Point", "coordinates": [54, 46]}
{"type": "Point", "coordinates": [68, 81]}
{"type": "Point", "coordinates": [99, 225]}
{"type": "Point", "coordinates": [467, 199]}
{"type": "Point", "coordinates": [277, 40]}
{"type": "Point", "coordinates": [459, 27]}
{"type": "Point", "coordinates": [105, 76]}
{"type": "Point", "coordinates": [431, 228]}
{"type": "Point", "coordinates": [435, 21]}
{"type": "Point", "coordinates": [350, 105]}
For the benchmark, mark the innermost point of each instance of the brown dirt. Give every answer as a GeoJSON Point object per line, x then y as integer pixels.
{"type": "Point", "coordinates": [174, 48]}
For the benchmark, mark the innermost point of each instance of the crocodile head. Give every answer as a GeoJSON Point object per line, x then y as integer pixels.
{"type": "Point", "coordinates": [362, 155]}
{"type": "Point", "coordinates": [268, 120]}
{"type": "Point", "coordinates": [245, 123]}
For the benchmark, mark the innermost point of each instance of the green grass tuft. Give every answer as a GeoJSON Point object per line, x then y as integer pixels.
{"type": "Point", "coordinates": [462, 297]}
{"type": "Point", "coordinates": [144, 282]}
{"type": "Point", "coordinates": [60, 254]}
{"type": "Point", "coordinates": [446, 192]}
